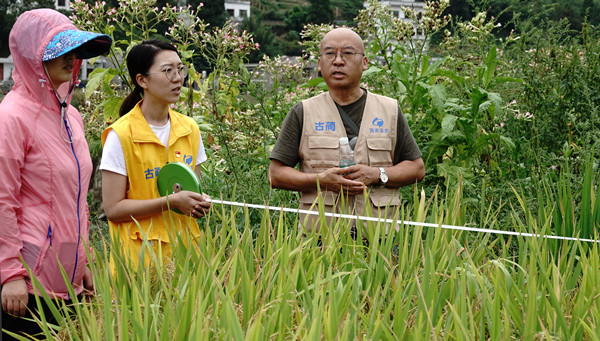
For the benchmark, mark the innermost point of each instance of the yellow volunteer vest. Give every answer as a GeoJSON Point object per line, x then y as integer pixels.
{"type": "Point", "coordinates": [319, 150]}
{"type": "Point", "coordinates": [144, 156]}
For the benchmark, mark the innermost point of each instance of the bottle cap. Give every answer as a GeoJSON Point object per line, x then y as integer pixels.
{"type": "Point", "coordinates": [343, 140]}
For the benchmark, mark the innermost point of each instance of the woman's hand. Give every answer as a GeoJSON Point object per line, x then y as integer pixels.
{"type": "Point", "coordinates": [190, 203]}
{"type": "Point", "coordinates": [15, 297]}
{"type": "Point", "coordinates": [201, 209]}
{"type": "Point", "coordinates": [118, 208]}
{"type": "Point", "coordinates": [88, 283]}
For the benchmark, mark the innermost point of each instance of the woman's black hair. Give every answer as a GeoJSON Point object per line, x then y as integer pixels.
{"type": "Point", "coordinates": [139, 60]}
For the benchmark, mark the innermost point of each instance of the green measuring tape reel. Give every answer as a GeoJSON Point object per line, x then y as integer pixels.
{"type": "Point", "coordinates": [176, 177]}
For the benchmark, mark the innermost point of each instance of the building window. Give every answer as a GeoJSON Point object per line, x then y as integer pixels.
{"type": "Point", "coordinates": [62, 3]}
{"type": "Point", "coordinates": [243, 13]}
{"type": "Point", "coordinates": [230, 12]}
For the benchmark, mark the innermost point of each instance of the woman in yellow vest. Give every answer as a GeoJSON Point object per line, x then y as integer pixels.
{"type": "Point", "coordinates": [148, 135]}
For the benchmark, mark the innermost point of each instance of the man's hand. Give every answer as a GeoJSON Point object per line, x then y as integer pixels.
{"type": "Point", "coordinates": [368, 175]}
{"type": "Point", "coordinates": [334, 179]}
{"type": "Point", "coordinates": [15, 297]}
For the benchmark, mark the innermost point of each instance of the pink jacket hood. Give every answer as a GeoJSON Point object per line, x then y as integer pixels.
{"type": "Point", "coordinates": [45, 166]}
{"type": "Point", "coordinates": [37, 27]}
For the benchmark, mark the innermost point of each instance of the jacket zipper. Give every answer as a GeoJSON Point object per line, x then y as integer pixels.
{"type": "Point", "coordinates": [49, 236]}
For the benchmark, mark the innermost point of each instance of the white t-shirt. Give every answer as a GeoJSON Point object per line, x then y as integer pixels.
{"type": "Point", "coordinates": [113, 158]}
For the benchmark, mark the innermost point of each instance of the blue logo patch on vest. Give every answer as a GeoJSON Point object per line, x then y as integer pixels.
{"type": "Point", "coordinates": [151, 173]}
{"type": "Point", "coordinates": [378, 124]}
{"type": "Point", "coordinates": [325, 126]}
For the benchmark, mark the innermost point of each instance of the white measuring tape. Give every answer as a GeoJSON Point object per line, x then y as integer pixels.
{"type": "Point", "coordinates": [402, 222]}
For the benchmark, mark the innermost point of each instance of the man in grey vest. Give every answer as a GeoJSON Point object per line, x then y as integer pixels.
{"type": "Point", "coordinates": [385, 151]}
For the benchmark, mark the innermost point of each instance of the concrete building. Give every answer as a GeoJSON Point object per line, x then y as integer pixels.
{"type": "Point", "coordinates": [58, 4]}
{"type": "Point", "coordinates": [6, 68]}
{"type": "Point", "coordinates": [237, 10]}
{"type": "Point", "coordinates": [63, 4]}
{"type": "Point", "coordinates": [396, 9]}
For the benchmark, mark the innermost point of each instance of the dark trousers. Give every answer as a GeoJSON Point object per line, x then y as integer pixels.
{"type": "Point", "coordinates": [21, 325]}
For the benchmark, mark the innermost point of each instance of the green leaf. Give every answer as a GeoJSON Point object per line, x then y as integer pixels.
{"type": "Point", "coordinates": [401, 90]}
{"type": "Point", "coordinates": [448, 124]}
{"type": "Point", "coordinates": [372, 70]}
{"type": "Point", "coordinates": [483, 107]}
{"type": "Point", "coordinates": [482, 141]}
{"type": "Point", "coordinates": [109, 30]}
{"type": "Point", "coordinates": [496, 99]}
{"type": "Point", "coordinates": [400, 69]}
{"type": "Point", "coordinates": [187, 54]}
{"type": "Point", "coordinates": [375, 48]}
{"type": "Point", "coordinates": [459, 80]}
{"type": "Point", "coordinates": [490, 66]}
{"type": "Point", "coordinates": [453, 172]}
{"type": "Point", "coordinates": [315, 82]}
{"type": "Point", "coordinates": [424, 65]}
{"type": "Point", "coordinates": [107, 80]}
{"type": "Point", "coordinates": [433, 68]}
{"type": "Point", "coordinates": [111, 108]}
{"type": "Point", "coordinates": [477, 96]}
{"type": "Point", "coordinates": [454, 103]}
{"type": "Point", "coordinates": [95, 79]}
{"type": "Point", "coordinates": [438, 96]}
{"type": "Point", "coordinates": [508, 141]}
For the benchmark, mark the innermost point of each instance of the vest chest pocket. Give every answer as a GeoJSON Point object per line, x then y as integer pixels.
{"type": "Point", "coordinates": [323, 151]}
{"type": "Point", "coordinates": [380, 151]}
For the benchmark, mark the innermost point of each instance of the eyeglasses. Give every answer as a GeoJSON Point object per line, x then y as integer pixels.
{"type": "Point", "coordinates": [171, 72]}
{"type": "Point", "coordinates": [346, 55]}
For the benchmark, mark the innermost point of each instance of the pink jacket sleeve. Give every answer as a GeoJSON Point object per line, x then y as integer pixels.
{"type": "Point", "coordinates": [12, 154]}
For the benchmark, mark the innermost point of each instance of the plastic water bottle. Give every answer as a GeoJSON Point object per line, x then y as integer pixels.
{"type": "Point", "coordinates": [346, 153]}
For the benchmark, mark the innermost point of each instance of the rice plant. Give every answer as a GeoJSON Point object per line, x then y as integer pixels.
{"type": "Point", "coordinates": [409, 284]}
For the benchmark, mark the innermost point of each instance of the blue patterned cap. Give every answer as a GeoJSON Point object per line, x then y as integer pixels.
{"type": "Point", "coordinates": [86, 44]}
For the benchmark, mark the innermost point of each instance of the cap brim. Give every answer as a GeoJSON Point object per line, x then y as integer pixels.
{"type": "Point", "coordinates": [84, 44]}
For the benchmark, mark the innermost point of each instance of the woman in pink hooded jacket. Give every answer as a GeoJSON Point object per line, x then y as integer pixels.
{"type": "Point", "coordinates": [45, 165]}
